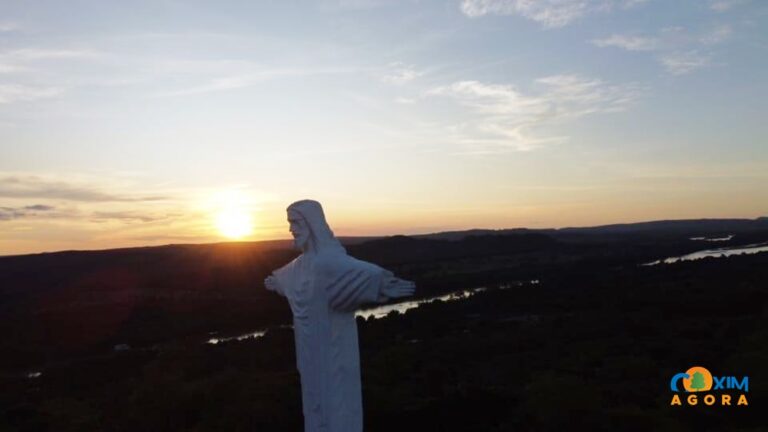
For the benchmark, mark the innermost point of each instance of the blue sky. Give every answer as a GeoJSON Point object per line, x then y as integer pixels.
{"type": "Point", "coordinates": [131, 123]}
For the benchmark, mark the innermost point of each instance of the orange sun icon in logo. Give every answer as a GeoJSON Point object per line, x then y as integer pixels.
{"type": "Point", "coordinates": [699, 379]}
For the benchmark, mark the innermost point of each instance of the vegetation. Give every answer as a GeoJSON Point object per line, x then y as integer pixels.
{"type": "Point", "coordinates": [594, 342]}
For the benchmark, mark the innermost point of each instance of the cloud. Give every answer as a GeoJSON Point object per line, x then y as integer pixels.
{"type": "Point", "coordinates": [632, 3]}
{"type": "Point", "coordinates": [39, 207]}
{"type": "Point", "coordinates": [725, 5]}
{"type": "Point", "coordinates": [10, 93]}
{"type": "Point", "coordinates": [13, 62]}
{"type": "Point", "coordinates": [10, 213]}
{"type": "Point", "coordinates": [718, 35]}
{"type": "Point", "coordinates": [499, 116]}
{"type": "Point", "coordinates": [228, 83]}
{"type": "Point", "coordinates": [400, 73]}
{"type": "Point", "coordinates": [38, 211]}
{"type": "Point", "coordinates": [357, 4]}
{"type": "Point", "coordinates": [173, 238]}
{"type": "Point", "coordinates": [249, 79]}
{"type": "Point", "coordinates": [34, 187]}
{"type": "Point", "coordinates": [232, 82]}
{"type": "Point", "coordinates": [682, 63]}
{"type": "Point", "coordinates": [9, 27]}
{"type": "Point", "coordinates": [629, 43]}
{"type": "Point", "coordinates": [549, 13]}
{"type": "Point", "coordinates": [678, 51]}
{"type": "Point", "coordinates": [46, 54]}
{"type": "Point", "coordinates": [668, 39]}
{"type": "Point", "coordinates": [20, 59]}
{"type": "Point", "coordinates": [127, 216]}
{"type": "Point", "coordinates": [405, 100]}
{"type": "Point", "coordinates": [10, 68]}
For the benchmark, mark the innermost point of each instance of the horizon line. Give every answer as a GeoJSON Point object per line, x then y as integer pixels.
{"type": "Point", "coordinates": [376, 236]}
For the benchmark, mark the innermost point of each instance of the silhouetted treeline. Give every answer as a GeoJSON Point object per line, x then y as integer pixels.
{"type": "Point", "coordinates": [594, 343]}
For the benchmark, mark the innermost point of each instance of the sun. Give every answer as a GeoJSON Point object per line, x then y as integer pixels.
{"type": "Point", "coordinates": [234, 223]}
{"type": "Point", "coordinates": [232, 213]}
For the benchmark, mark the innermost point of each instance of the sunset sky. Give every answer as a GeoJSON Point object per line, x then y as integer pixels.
{"type": "Point", "coordinates": [146, 122]}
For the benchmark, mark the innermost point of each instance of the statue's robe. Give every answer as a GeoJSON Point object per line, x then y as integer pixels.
{"type": "Point", "coordinates": [324, 290]}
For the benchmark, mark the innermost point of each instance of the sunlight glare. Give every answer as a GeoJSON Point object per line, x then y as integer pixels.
{"type": "Point", "coordinates": [233, 219]}
{"type": "Point", "coordinates": [234, 223]}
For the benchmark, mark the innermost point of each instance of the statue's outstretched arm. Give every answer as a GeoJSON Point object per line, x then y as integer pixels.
{"type": "Point", "coordinates": [395, 288]}
{"type": "Point", "coordinates": [352, 283]}
{"type": "Point", "coordinates": [272, 284]}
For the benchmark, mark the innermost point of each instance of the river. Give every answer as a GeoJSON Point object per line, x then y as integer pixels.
{"type": "Point", "coordinates": [719, 252]}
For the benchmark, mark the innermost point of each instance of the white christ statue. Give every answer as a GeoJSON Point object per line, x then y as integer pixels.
{"type": "Point", "coordinates": [324, 286]}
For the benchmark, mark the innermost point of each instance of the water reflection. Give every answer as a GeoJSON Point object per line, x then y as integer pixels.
{"type": "Point", "coordinates": [381, 311]}
{"type": "Point", "coordinates": [713, 239]}
{"type": "Point", "coordinates": [252, 335]}
{"type": "Point", "coordinates": [720, 252]}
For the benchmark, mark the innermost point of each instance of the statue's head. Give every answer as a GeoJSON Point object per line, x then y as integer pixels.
{"type": "Point", "coordinates": [299, 229]}
{"type": "Point", "coordinates": [309, 228]}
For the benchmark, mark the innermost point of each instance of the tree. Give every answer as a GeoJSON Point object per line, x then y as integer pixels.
{"type": "Point", "coordinates": [697, 382]}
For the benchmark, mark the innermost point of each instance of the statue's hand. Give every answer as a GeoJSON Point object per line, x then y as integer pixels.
{"type": "Point", "coordinates": [271, 284]}
{"type": "Point", "coordinates": [395, 287]}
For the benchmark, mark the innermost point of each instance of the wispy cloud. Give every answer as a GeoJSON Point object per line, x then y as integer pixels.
{"type": "Point", "coordinates": [172, 238]}
{"type": "Point", "coordinates": [22, 59]}
{"type": "Point", "coordinates": [501, 117]}
{"type": "Point", "coordinates": [10, 93]}
{"type": "Point", "coordinates": [46, 54]}
{"type": "Point", "coordinates": [249, 79]}
{"type": "Point", "coordinates": [356, 4]}
{"type": "Point", "coordinates": [681, 63]}
{"type": "Point", "coordinates": [10, 213]}
{"type": "Point", "coordinates": [128, 216]}
{"type": "Point", "coordinates": [628, 42]}
{"type": "Point", "coordinates": [29, 73]}
{"type": "Point", "coordinates": [6, 26]}
{"type": "Point", "coordinates": [678, 51]}
{"type": "Point", "coordinates": [725, 5]}
{"type": "Point", "coordinates": [224, 83]}
{"type": "Point", "coordinates": [10, 68]}
{"type": "Point", "coordinates": [35, 187]}
{"type": "Point", "coordinates": [405, 100]}
{"type": "Point", "coordinates": [48, 212]}
{"type": "Point", "coordinates": [400, 73]}
{"type": "Point", "coordinates": [549, 13]}
{"type": "Point", "coordinates": [717, 35]}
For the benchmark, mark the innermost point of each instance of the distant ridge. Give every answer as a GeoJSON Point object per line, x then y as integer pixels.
{"type": "Point", "coordinates": [262, 244]}
{"type": "Point", "coordinates": [680, 226]}
{"type": "Point", "coordinates": [706, 224]}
